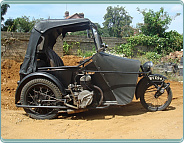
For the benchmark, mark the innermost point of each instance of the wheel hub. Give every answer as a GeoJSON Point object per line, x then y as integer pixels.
{"type": "Point", "coordinates": [159, 92]}
{"type": "Point", "coordinates": [39, 97]}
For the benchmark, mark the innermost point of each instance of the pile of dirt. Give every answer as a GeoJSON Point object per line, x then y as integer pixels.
{"type": "Point", "coordinates": [10, 76]}
{"type": "Point", "coordinates": [71, 60]}
{"type": "Point", "coordinates": [174, 55]}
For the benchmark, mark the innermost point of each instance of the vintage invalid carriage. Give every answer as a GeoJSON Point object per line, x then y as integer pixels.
{"type": "Point", "coordinates": [48, 87]}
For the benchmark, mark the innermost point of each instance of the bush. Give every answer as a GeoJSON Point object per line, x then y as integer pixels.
{"type": "Point", "coordinates": [153, 56]}
{"type": "Point", "coordinates": [67, 47]}
{"type": "Point", "coordinates": [174, 40]}
{"type": "Point", "coordinates": [125, 49]}
{"type": "Point", "coordinates": [86, 53]}
{"type": "Point", "coordinates": [171, 42]}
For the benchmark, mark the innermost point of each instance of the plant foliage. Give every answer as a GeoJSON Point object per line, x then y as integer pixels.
{"type": "Point", "coordinates": [4, 9]}
{"type": "Point", "coordinates": [115, 19]}
{"type": "Point", "coordinates": [20, 24]}
{"type": "Point", "coordinates": [172, 41]}
{"type": "Point", "coordinates": [67, 47]}
{"type": "Point", "coordinates": [155, 23]}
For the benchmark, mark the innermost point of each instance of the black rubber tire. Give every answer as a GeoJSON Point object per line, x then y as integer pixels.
{"type": "Point", "coordinates": [53, 113]}
{"type": "Point", "coordinates": [147, 106]}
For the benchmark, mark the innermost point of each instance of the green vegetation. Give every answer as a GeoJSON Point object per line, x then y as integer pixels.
{"type": "Point", "coordinates": [4, 9]}
{"type": "Point", "coordinates": [9, 25]}
{"type": "Point", "coordinates": [85, 53]}
{"type": "Point", "coordinates": [101, 31]}
{"type": "Point", "coordinates": [115, 19]}
{"type": "Point", "coordinates": [20, 24]}
{"type": "Point", "coordinates": [24, 24]}
{"type": "Point", "coordinates": [172, 41]}
{"type": "Point", "coordinates": [81, 33]}
{"type": "Point", "coordinates": [80, 52]}
{"type": "Point", "coordinates": [67, 47]}
{"type": "Point", "coordinates": [155, 23]}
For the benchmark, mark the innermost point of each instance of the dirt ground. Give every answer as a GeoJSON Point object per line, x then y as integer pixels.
{"type": "Point", "coordinates": [127, 122]}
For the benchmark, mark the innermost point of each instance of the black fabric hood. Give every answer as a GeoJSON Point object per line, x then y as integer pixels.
{"type": "Point", "coordinates": [45, 25]}
{"type": "Point", "coordinates": [48, 31]}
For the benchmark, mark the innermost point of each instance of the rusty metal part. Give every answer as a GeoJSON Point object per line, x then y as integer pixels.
{"type": "Point", "coordinates": [71, 106]}
{"type": "Point", "coordinates": [70, 111]}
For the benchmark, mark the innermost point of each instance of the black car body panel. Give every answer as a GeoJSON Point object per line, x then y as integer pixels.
{"type": "Point", "coordinates": [121, 86]}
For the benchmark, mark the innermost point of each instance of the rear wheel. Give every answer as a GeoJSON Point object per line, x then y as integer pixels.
{"type": "Point", "coordinates": [40, 92]}
{"type": "Point", "coordinates": [153, 100]}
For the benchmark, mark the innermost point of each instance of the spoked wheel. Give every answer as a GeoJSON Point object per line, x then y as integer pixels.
{"type": "Point", "coordinates": [40, 92]}
{"type": "Point", "coordinates": [154, 99]}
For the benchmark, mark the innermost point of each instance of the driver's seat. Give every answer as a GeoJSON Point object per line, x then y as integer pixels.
{"type": "Point", "coordinates": [54, 59]}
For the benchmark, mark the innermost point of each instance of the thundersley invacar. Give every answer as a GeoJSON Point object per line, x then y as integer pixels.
{"type": "Point", "coordinates": [47, 87]}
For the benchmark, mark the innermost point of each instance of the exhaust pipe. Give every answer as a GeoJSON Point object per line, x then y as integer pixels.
{"type": "Point", "coordinates": [70, 111]}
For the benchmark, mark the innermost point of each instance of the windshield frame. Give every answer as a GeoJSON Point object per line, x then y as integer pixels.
{"type": "Point", "coordinates": [96, 37]}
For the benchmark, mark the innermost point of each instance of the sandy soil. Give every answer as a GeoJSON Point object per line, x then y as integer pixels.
{"type": "Point", "coordinates": [127, 122]}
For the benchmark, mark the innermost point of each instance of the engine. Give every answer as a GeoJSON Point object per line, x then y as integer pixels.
{"type": "Point", "coordinates": [84, 99]}
{"type": "Point", "coordinates": [82, 94]}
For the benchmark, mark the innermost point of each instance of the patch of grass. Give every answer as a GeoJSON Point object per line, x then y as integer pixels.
{"type": "Point", "coordinates": [86, 53]}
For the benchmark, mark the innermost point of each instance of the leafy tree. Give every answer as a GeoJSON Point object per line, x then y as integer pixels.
{"type": "Point", "coordinates": [174, 40]}
{"type": "Point", "coordinates": [102, 31]}
{"type": "Point", "coordinates": [127, 31]}
{"type": "Point", "coordinates": [81, 33]}
{"type": "Point", "coordinates": [9, 25]}
{"type": "Point", "coordinates": [24, 24]}
{"type": "Point", "coordinates": [155, 23]}
{"type": "Point", "coordinates": [138, 27]}
{"type": "Point", "coordinates": [20, 24]}
{"type": "Point", "coordinates": [4, 9]}
{"type": "Point", "coordinates": [105, 32]}
{"type": "Point", "coordinates": [115, 19]}
{"type": "Point", "coordinates": [99, 29]}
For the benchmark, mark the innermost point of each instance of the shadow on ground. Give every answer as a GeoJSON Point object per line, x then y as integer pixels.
{"type": "Point", "coordinates": [132, 109]}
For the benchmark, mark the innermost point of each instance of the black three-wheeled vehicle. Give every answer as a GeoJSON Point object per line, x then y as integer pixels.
{"type": "Point", "coordinates": [48, 87]}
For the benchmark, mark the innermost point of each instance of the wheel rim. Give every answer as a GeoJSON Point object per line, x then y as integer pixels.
{"type": "Point", "coordinates": [155, 102]}
{"type": "Point", "coordinates": [40, 95]}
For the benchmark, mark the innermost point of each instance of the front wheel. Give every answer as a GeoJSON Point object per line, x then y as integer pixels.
{"type": "Point", "coordinates": [40, 92]}
{"type": "Point", "coordinates": [156, 100]}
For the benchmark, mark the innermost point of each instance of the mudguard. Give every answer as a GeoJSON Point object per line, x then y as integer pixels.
{"type": "Point", "coordinates": [145, 80]}
{"type": "Point", "coordinates": [34, 76]}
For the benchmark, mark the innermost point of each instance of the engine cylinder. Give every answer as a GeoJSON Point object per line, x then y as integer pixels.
{"type": "Point", "coordinates": [85, 81]}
